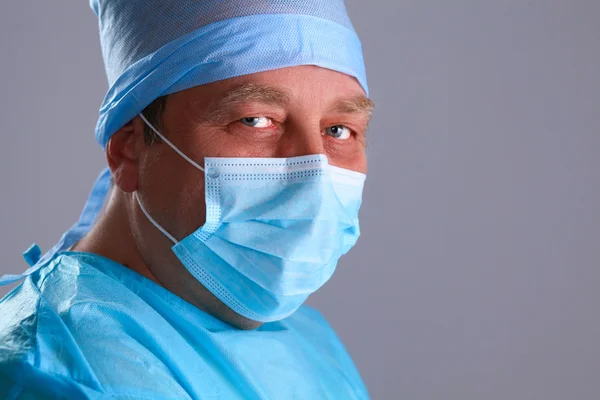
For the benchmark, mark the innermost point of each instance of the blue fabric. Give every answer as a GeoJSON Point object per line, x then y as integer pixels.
{"type": "Point", "coordinates": [85, 327]}
{"type": "Point", "coordinates": [156, 47]}
{"type": "Point", "coordinates": [275, 230]}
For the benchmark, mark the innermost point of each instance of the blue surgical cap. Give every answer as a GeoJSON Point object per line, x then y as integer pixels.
{"type": "Point", "coordinates": [152, 48]}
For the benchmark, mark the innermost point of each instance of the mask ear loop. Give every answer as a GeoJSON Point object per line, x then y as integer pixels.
{"type": "Point", "coordinates": [171, 145]}
{"type": "Point", "coordinates": [160, 135]}
{"type": "Point", "coordinates": [147, 214]}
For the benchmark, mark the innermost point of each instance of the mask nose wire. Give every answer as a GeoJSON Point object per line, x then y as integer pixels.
{"type": "Point", "coordinates": [167, 141]}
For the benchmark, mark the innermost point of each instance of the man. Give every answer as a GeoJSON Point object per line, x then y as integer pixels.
{"type": "Point", "coordinates": [235, 139]}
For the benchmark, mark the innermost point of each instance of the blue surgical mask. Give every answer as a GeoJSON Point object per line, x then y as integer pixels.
{"type": "Point", "coordinates": [274, 231]}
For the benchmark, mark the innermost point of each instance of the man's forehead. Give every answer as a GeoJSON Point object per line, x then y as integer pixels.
{"type": "Point", "coordinates": [267, 87]}
{"type": "Point", "coordinates": [254, 93]}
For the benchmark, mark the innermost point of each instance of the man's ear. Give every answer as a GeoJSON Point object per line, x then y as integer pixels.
{"type": "Point", "coordinates": [123, 153]}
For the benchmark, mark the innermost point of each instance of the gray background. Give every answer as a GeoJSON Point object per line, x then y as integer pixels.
{"type": "Point", "coordinates": [477, 276]}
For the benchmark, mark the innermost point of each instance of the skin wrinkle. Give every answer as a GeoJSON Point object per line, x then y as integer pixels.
{"type": "Point", "coordinates": [359, 104]}
{"type": "Point", "coordinates": [250, 92]}
{"type": "Point", "coordinates": [244, 94]}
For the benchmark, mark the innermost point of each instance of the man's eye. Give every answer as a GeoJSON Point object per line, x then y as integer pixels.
{"type": "Point", "coordinates": [339, 132]}
{"type": "Point", "coordinates": [257, 122]}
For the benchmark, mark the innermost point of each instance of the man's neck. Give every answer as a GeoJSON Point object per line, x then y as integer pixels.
{"type": "Point", "coordinates": [111, 237]}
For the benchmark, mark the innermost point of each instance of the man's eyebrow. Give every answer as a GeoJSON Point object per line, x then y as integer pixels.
{"type": "Point", "coordinates": [246, 93]}
{"type": "Point", "coordinates": [355, 105]}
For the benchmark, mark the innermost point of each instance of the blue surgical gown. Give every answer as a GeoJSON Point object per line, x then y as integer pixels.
{"type": "Point", "coordinates": [85, 327]}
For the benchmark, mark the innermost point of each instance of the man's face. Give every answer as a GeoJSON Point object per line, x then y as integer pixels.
{"type": "Point", "coordinates": [282, 113]}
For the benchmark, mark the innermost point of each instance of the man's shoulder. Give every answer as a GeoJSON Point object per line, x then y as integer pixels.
{"type": "Point", "coordinates": [309, 318]}
{"type": "Point", "coordinates": [54, 321]}
{"type": "Point", "coordinates": [43, 314]}
{"type": "Point", "coordinates": [28, 328]}
{"type": "Point", "coordinates": [18, 321]}
{"type": "Point", "coordinates": [319, 337]}
{"type": "Point", "coordinates": [310, 323]}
